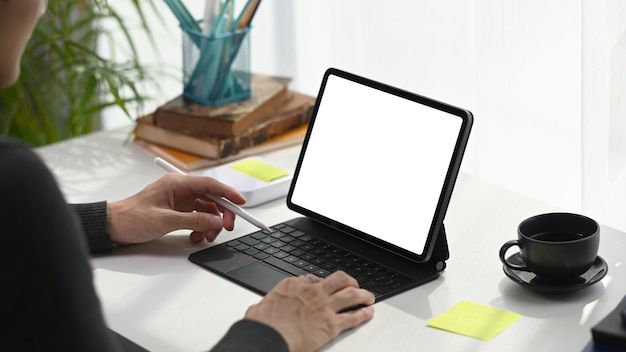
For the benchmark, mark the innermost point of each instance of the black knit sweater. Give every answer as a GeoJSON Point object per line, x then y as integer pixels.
{"type": "Point", "coordinates": [48, 301]}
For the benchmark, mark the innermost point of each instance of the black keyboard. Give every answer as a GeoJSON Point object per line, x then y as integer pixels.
{"type": "Point", "coordinates": [298, 253]}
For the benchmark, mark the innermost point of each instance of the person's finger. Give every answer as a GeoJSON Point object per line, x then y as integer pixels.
{"type": "Point", "coordinates": [338, 281]}
{"type": "Point", "coordinates": [351, 297]}
{"type": "Point", "coordinates": [228, 217]}
{"type": "Point", "coordinates": [228, 220]}
{"type": "Point", "coordinates": [206, 206]}
{"type": "Point", "coordinates": [209, 236]}
{"type": "Point", "coordinates": [206, 185]}
{"type": "Point", "coordinates": [196, 236]}
{"type": "Point", "coordinates": [354, 318]}
{"type": "Point", "coordinates": [195, 221]}
{"type": "Point", "coordinates": [310, 278]}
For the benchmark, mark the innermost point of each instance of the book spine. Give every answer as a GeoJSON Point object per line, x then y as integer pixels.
{"type": "Point", "coordinates": [267, 130]}
{"type": "Point", "coordinates": [179, 119]}
{"type": "Point", "coordinates": [177, 140]}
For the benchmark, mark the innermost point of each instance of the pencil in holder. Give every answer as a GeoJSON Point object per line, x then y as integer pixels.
{"type": "Point", "coordinates": [216, 68]}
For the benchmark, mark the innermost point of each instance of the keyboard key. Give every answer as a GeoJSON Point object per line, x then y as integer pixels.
{"type": "Point", "coordinates": [297, 233]}
{"type": "Point", "coordinates": [251, 251]}
{"type": "Point", "coordinates": [290, 259]}
{"type": "Point", "coordinates": [290, 268]}
{"type": "Point", "coordinates": [296, 243]}
{"type": "Point", "coordinates": [300, 263]}
{"type": "Point", "coordinates": [233, 243]}
{"type": "Point", "coordinates": [359, 269]}
{"type": "Point", "coordinates": [337, 260]}
{"type": "Point", "coordinates": [366, 284]}
{"type": "Point", "coordinates": [271, 250]}
{"type": "Point", "coordinates": [317, 251]}
{"type": "Point", "coordinates": [381, 289]}
{"type": "Point", "coordinates": [278, 234]}
{"type": "Point", "coordinates": [321, 272]}
{"type": "Point", "coordinates": [349, 264]}
{"type": "Point", "coordinates": [287, 238]}
{"type": "Point", "coordinates": [261, 255]}
{"type": "Point", "coordinates": [262, 246]}
{"type": "Point", "coordinates": [258, 235]}
{"type": "Point", "coordinates": [310, 267]}
{"type": "Point", "coordinates": [327, 256]}
{"type": "Point", "coordinates": [280, 254]}
{"type": "Point", "coordinates": [297, 252]}
{"type": "Point", "coordinates": [249, 241]}
{"type": "Point", "coordinates": [307, 247]}
{"type": "Point", "coordinates": [329, 266]}
{"type": "Point", "coordinates": [307, 256]}
{"type": "Point", "coordinates": [287, 248]}
{"type": "Point", "coordinates": [278, 244]}
{"type": "Point", "coordinates": [242, 247]}
{"type": "Point", "coordinates": [318, 261]}
{"type": "Point", "coordinates": [287, 229]}
{"type": "Point", "coordinates": [269, 240]}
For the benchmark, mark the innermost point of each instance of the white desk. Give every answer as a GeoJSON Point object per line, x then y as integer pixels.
{"type": "Point", "coordinates": [153, 295]}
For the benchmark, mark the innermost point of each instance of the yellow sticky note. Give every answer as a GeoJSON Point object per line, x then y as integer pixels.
{"type": "Point", "coordinates": [475, 320]}
{"type": "Point", "coordinates": [259, 170]}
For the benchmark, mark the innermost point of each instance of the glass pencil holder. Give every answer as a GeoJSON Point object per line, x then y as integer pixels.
{"type": "Point", "coordinates": [216, 68]}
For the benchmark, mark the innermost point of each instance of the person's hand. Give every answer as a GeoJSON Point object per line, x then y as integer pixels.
{"type": "Point", "coordinates": [306, 310]}
{"type": "Point", "coordinates": [171, 203]}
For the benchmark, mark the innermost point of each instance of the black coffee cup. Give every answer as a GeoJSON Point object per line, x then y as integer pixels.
{"type": "Point", "coordinates": [557, 247]}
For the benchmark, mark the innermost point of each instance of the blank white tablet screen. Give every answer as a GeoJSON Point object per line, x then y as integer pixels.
{"type": "Point", "coordinates": [376, 162]}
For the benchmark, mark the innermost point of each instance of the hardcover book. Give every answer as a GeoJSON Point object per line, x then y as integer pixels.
{"type": "Point", "coordinates": [229, 119]}
{"type": "Point", "coordinates": [188, 161]}
{"type": "Point", "coordinates": [296, 111]}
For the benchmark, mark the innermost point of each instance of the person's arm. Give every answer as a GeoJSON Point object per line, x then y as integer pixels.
{"type": "Point", "coordinates": [172, 202]}
{"type": "Point", "coordinates": [251, 336]}
{"type": "Point", "coordinates": [93, 218]}
{"type": "Point", "coordinates": [48, 301]}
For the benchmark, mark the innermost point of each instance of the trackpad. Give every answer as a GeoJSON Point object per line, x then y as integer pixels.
{"type": "Point", "coordinates": [258, 276]}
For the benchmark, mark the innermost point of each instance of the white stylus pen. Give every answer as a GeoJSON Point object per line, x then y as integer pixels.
{"type": "Point", "coordinates": [219, 200]}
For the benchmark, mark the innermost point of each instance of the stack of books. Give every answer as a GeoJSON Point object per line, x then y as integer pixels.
{"type": "Point", "coordinates": [191, 135]}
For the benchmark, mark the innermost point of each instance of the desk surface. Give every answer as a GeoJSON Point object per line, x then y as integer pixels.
{"type": "Point", "coordinates": [153, 295]}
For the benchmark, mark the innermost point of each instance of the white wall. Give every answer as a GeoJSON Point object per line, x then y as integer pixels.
{"type": "Point", "coordinates": [541, 77]}
{"type": "Point", "coordinates": [604, 111]}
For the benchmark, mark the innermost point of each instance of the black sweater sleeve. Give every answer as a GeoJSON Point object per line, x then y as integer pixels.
{"type": "Point", "coordinates": [93, 218]}
{"type": "Point", "coordinates": [251, 336]}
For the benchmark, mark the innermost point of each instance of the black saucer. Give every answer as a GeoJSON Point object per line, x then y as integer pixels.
{"type": "Point", "coordinates": [598, 270]}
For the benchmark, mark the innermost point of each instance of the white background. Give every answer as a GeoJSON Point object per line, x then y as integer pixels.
{"type": "Point", "coordinates": [546, 80]}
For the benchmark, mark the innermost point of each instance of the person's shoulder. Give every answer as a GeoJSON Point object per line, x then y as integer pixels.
{"type": "Point", "coordinates": [7, 143]}
{"type": "Point", "coordinates": [11, 145]}
{"type": "Point", "coordinates": [16, 155]}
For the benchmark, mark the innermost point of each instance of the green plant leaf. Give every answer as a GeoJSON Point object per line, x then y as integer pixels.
{"type": "Point", "coordinates": [65, 83]}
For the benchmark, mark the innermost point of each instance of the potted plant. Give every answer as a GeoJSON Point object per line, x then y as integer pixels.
{"type": "Point", "coordinates": [65, 83]}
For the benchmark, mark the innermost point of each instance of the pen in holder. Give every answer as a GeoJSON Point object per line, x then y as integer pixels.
{"type": "Point", "coordinates": [216, 68]}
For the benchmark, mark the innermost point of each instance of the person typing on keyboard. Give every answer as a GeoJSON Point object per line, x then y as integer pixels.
{"type": "Point", "coordinates": [48, 301]}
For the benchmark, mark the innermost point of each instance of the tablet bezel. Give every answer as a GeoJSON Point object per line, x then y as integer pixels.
{"type": "Point", "coordinates": [448, 184]}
